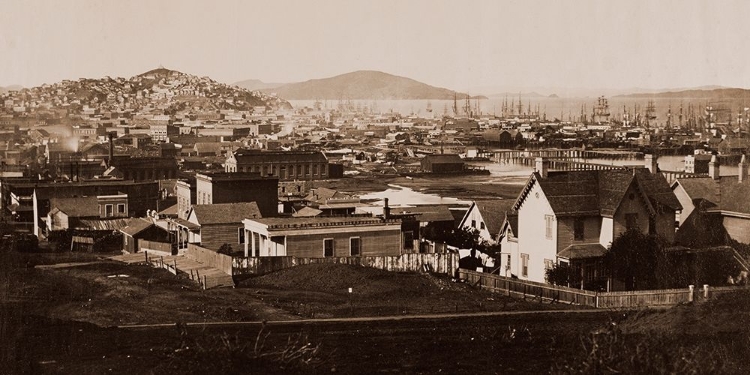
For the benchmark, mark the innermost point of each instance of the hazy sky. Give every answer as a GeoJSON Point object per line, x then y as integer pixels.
{"type": "Point", "coordinates": [453, 44]}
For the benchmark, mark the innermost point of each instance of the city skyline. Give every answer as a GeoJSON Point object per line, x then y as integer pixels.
{"type": "Point", "coordinates": [493, 45]}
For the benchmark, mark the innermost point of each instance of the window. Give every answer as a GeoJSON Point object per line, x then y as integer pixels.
{"type": "Point", "coordinates": [240, 235]}
{"type": "Point", "coordinates": [315, 169]}
{"type": "Point", "coordinates": [473, 223]}
{"type": "Point", "coordinates": [525, 265]}
{"type": "Point", "coordinates": [507, 264]}
{"type": "Point", "coordinates": [578, 229]}
{"type": "Point", "coordinates": [631, 221]}
{"type": "Point", "coordinates": [355, 246]}
{"type": "Point", "coordinates": [108, 210]}
{"type": "Point", "coordinates": [481, 225]}
{"type": "Point", "coordinates": [408, 240]}
{"type": "Point", "coordinates": [548, 264]}
{"type": "Point", "coordinates": [328, 247]}
{"type": "Point", "coordinates": [121, 208]}
{"type": "Point", "coordinates": [548, 226]}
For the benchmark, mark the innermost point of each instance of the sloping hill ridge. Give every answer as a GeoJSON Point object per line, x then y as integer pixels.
{"type": "Point", "coordinates": [363, 84]}
{"type": "Point", "coordinates": [256, 84]}
{"type": "Point", "coordinates": [696, 94]}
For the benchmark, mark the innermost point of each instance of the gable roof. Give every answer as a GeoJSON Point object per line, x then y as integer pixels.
{"type": "Point", "coordinates": [443, 158]}
{"type": "Point", "coordinates": [724, 194]}
{"type": "Point", "coordinates": [136, 225]}
{"type": "Point", "coordinates": [493, 212]}
{"type": "Point", "coordinates": [599, 192]}
{"type": "Point", "coordinates": [307, 212]}
{"type": "Point", "coordinates": [226, 213]}
{"type": "Point", "coordinates": [427, 213]}
{"type": "Point", "coordinates": [583, 251]}
{"type": "Point", "coordinates": [75, 207]}
{"type": "Point", "coordinates": [512, 219]}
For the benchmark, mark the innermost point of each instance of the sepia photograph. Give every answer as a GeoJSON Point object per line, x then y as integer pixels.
{"type": "Point", "coordinates": [374, 187]}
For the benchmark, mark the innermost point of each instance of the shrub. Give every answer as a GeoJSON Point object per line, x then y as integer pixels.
{"type": "Point", "coordinates": [609, 351]}
{"type": "Point", "coordinates": [226, 249]}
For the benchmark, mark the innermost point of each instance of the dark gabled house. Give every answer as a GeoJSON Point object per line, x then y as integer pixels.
{"type": "Point", "coordinates": [716, 208]}
{"type": "Point", "coordinates": [442, 163]}
{"type": "Point", "coordinates": [141, 234]}
{"type": "Point", "coordinates": [486, 216]}
{"type": "Point", "coordinates": [222, 223]}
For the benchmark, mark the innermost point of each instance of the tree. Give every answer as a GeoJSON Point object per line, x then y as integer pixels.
{"type": "Point", "coordinates": [638, 260]}
{"type": "Point", "coordinates": [462, 238]}
{"type": "Point", "coordinates": [226, 249]}
{"type": "Point", "coordinates": [559, 274]}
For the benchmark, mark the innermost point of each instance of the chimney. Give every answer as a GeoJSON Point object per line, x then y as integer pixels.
{"type": "Point", "coordinates": [650, 162]}
{"type": "Point", "coordinates": [111, 149]}
{"type": "Point", "coordinates": [541, 167]}
{"type": "Point", "coordinates": [386, 209]}
{"type": "Point", "coordinates": [742, 166]}
{"type": "Point", "coordinates": [713, 168]}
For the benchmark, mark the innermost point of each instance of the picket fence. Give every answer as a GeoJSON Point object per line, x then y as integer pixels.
{"type": "Point", "coordinates": [549, 292]}
{"type": "Point", "coordinates": [442, 263]}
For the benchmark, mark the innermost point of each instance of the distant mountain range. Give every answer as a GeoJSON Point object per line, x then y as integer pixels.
{"type": "Point", "coordinates": [363, 84]}
{"type": "Point", "coordinates": [711, 93]}
{"type": "Point", "coordinates": [256, 84]}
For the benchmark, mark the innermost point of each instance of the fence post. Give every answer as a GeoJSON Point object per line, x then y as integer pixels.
{"type": "Point", "coordinates": [690, 295]}
{"type": "Point", "coordinates": [204, 282]}
{"type": "Point", "coordinates": [705, 291]}
{"type": "Point", "coordinates": [596, 299]}
{"type": "Point", "coordinates": [146, 254]}
{"type": "Point", "coordinates": [174, 262]}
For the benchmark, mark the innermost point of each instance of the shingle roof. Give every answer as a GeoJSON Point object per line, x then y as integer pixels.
{"type": "Point", "coordinates": [493, 213]}
{"type": "Point", "coordinates": [444, 158]}
{"type": "Point", "coordinates": [657, 189]}
{"type": "Point", "coordinates": [735, 197]}
{"type": "Point", "coordinates": [136, 225]}
{"type": "Point", "coordinates": [583, 251]}
{"type": "Point", "coordinates": [427, 213]}
{"type": "Point", "coordinates": [725, 194]}
{"type": "Point", "coordinates": [76, 207]}
{"type": "Point", "coordinates": [307, 212]}
{"type": "Point", "coordinates": [599, 192]}
{"type": "Point", "coordinates": [226, 213]}
{"type": "Point", "coordinates": [512, 218]}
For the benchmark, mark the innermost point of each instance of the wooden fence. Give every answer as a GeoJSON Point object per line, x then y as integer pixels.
{"type": "Point", "coordinates": [643, 298]}
{"type": "Point", "coordinates": [159, 262]}
{"type": "Point", "coordinates": [210, 258]}
{"type": "Point", "coordinates": [549, 292]}
{"type": "Point", "coordinates": [528, 289]}
{"type": "Point", "coordinates": [161, 247]}
{"type": "Point", "coordinates": [444, 263]}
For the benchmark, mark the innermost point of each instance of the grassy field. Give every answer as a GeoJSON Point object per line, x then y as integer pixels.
{"type": "Point", "coordinates": [60, 320]}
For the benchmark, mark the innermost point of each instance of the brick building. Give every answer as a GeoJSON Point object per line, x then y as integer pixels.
{"type": "Point", "coordinates": [221, 187]}
{"type": "Point", "coordinates": [285, 165]}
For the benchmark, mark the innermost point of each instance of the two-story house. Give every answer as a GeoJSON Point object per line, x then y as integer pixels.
{"type": "Point", "coordinates": [573, 216]}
